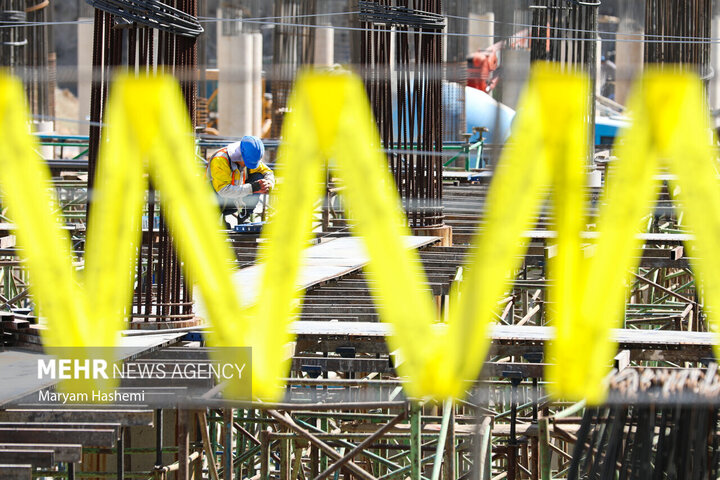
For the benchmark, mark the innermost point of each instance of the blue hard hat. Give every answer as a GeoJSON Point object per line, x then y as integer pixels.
{"type": "Point", "coordinates": [252, 151]}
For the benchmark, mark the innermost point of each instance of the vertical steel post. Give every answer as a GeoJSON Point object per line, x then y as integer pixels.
{"type": "Point", "coordinates": [544, 447]}
{"type": "Point", "coordinates": [121, 454]}
{"type": "Point", "coordinates": [534, 441]}
{"type": "Point", "coordinates": [183, 444]}
{"type": "Point", "coordinates": [239, 446]}
{"type": "Point", "coordinates": [285, 464]}
{"type": "Point", "coordinates": [264, 455]}
{"type": "Point", "coordinates": [158, 438]}
{"type": "Point", "coordinates": [415, 440]}
{"type": "Point", "coordinates": [450, 452]}
{"type": "Point", "coordinates": [512, 448]}
{"type": "Point", "coordinates": [323, 458]}
{"type": "Point", "coordinates": [228, 443]}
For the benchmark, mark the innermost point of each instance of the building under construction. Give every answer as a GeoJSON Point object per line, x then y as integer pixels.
{"type": "Point", "coordinates": [443, 80]}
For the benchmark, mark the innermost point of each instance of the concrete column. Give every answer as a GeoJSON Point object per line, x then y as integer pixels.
{"type": "Point", "coordinates": [235, 87]}
{"type": "Point", "coordinates": [324, 46]}
{"type": "Point", "coordinates": [516, 70]}
{"type": "Point", "coordinates": [714, 87]}
{"type": "Point", "coordinates": [628, 57]}
{"type": "Point", "coordinates": [84, 72]}
{"type": "Point", "coordinates": [257, 94]}
{"type": "Point", "coordinates": [481, 30]}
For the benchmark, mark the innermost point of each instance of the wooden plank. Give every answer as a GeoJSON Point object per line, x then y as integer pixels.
{"type": "Point", "coordinates": [659, 238]}
{"type": "Point", "coordinates": [60, 425]}
{"type": "Point", "coordinates": [632, 338]}
{"type": "Point", "coordinates": [63, 452]}
{"type": "Point", "coordinates": [102, 438]}
{"type": "Point", "coordinates": [15, 472]}
{"type": "Point", "coordinates": [36, 458]}
{"type": "Point", "coordinates": [321, 263]}
{"type": "Point", "coordinates": [363, 329]}
{"type": "Point", "coordinates": [384, 365]}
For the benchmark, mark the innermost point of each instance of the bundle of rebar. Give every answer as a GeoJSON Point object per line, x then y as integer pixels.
{"type": "Point", "coordinates": [648, 442]}
{"type": "Point", "coordinates": [27, 48]}
{"type": "Point", "coordinates": [162, 293]}
{"type": "Point", "coordinates": [564, 32]}
{"type": "Point", "coordinates": [293, 46]}
{"type": "Point", "coordinates": [678, 32]}
{"type": "Point", "coordinates": [658, 423]}
{"type": "Point", "coordinates": [402, 63]}
{"type": "Point", "coordinates": [13, 41]}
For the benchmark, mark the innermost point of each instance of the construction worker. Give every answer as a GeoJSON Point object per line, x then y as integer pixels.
{"type": "Point", "coordinates": [239, 176]}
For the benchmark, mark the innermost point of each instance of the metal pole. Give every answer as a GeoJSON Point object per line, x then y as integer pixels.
{"type": "Point", "coordinates": [285, 465]}
{"type": "Point", "coordinates": [121, 454]}
{"type": "Point", "coordinates": [183, 443]}
{"type": "Point", "coordinates": [535, 468]}
{"type": "Point", "coordinates": [207, 444]}
{"type": "Point", "coordinates": [544, 447]}
{"type": "Point", "coordinates": [439, 453]}
{"type": "Point", "coordinates": [158, 438]}
{"type": "Point", "coordinates": [515, 380]}
{"type": "Point", "coordinates": [450, 453]}
{"type": "Point", "coordinates": [415, 440]}
{"type": "Point", "coordinates": [228, 446]}
{"type": "Point", "coordinates": [324, 460]}
{"type": "Point", "coordinates": [592, 69]}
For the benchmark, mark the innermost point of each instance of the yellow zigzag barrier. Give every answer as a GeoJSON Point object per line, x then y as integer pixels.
{"type": "Point", "coordinates": [331, 120]}
{"type": "Point", "coordinates": [148, 131]}
{"type": "Point", "coordinates": [670, 128]}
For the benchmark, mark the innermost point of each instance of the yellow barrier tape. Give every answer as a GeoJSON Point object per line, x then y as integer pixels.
{"type": "Point", "coordinates": [692, 157]}
{"type": "Point", "coordinates": [582, 350]}
{"type": "Point", "coordinates": [287, 235]}
{"type": "Point", "coordinates": [148, 128]}
{"type": "Point", "coordinates": [26, 184]}
{"type": "Point", "coordinates": [683, 141]}
{"type": "Point", "coordinates": [330, 120]}
{"type": "Point", "coordinates": [671, 127]}
{"type": "Point", "coordinates": [148, 122]}
{"type": "Point", "coordinates": [548, 143]}
{"type": "Point", "coordinates": [569, 134]}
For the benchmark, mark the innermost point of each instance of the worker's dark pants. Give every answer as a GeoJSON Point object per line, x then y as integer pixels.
{"type": "Point", "coordinates": [250, 201]}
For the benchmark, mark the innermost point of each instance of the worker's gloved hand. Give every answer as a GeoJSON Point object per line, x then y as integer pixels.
{"type": "Point", "coordinates": [260, 186]}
